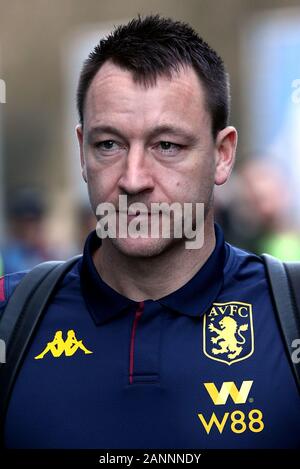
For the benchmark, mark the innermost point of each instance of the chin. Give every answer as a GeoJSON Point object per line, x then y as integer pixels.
{"type": "Point", "coordinates": [143, 247]}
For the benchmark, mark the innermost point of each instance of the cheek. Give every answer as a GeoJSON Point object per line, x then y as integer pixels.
{"type": "Point", "coordinates": [96, 173]}
{"type": "Point", "coordinates": [182, 190]}
{"type": "Point", "coordinates": [97, 184]}
{"type": "Point", "coordinates": [195, 185]}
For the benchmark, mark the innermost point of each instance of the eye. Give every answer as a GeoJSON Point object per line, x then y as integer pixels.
{"type": "Point", "coordinates": [107, 145]}
{"type": "Point", "coordinates": [168, 148]}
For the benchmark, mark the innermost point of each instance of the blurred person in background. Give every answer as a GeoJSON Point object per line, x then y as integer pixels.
{"type": "Point", "coordinates": [268, 205]}
{"type": "Point", "coordinates": [257, 210]}
{"type": "Point", "coordinates": [26, 244]}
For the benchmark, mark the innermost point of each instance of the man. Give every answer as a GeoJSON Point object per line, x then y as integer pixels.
{"type": "Point", "coordinates": [175, 347]}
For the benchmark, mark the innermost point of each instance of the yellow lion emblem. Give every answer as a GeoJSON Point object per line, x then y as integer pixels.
{"type": "Point", "coordinates": [226, 337]}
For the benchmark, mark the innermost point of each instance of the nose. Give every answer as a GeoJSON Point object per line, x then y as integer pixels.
{"type": "Point", "coordinates": [137, 174]}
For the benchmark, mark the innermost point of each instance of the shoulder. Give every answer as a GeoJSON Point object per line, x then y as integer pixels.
{"type": "Point", "coordinates": [245, 280]}
{"type": "Point", "coordinates": [68, 279]}
{"type": "Point", "coordinates": [244, 265]}
{"type": "Point", "coordinates": [9, 282]}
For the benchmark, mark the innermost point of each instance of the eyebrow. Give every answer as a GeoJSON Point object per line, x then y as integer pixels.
{"type": "Point", "coordinates": [108, 129]}
{"type": "Point", "coordinates": [155, 132]}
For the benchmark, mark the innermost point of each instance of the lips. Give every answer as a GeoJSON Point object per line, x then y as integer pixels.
{"type": "Point", "coordinates": [134, 213]}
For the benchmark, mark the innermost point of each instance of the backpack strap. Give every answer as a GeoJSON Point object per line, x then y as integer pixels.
{"type": "Point", "coordinates": [20, 319]}
{"type": "Point", "coordinates": [284, 280]}
{"type": "Point", "coordinates": [293, 273]}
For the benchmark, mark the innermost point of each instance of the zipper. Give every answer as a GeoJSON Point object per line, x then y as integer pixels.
{"type": "Point", "coordinates": [137, 316]}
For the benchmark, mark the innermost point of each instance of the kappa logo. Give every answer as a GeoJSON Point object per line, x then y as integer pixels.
{"type": "Point", "coordinates": [228, 334]}
{"type": "Point", "coordinates": [58, 346]}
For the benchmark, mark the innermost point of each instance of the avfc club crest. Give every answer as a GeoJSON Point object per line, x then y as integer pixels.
{"type": "Point", "coordinates": [228, 332]}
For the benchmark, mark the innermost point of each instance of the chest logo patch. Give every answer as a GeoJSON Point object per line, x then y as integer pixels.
{"type": "Point", "coordinates": [228, 335]}
{"type": "Point", "coordinates": [59, 346]}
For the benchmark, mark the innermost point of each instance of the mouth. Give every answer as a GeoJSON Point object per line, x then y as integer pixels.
{"type": "Point", "coordinates": [134, 213]}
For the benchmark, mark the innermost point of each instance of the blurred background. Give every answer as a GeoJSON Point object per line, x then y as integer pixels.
{"type": "Point", "coordinates": [44, 210]}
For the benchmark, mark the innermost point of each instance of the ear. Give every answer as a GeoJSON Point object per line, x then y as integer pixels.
{"type": "Point", "coordinates": [79, 132]}
{"type": "Point", "coordinates": [226, 143]}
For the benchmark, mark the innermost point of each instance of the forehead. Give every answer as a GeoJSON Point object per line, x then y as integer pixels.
{"type": "Point", "coordinates": [113, 94]}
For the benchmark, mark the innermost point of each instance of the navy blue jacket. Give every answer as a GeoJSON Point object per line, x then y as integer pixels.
{"type": "Point", "coordinates": [203, 367]}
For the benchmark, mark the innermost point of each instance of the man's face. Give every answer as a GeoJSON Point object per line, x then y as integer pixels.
{"type": "Point", "coordinates": [153, 144]}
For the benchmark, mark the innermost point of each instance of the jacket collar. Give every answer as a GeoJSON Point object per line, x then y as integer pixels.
{"type": "Point", "coordinates": [192, 299]}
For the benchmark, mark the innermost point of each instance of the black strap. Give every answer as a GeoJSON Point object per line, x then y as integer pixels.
{"type": "Point", "coordinates": [293, 273]}
{"type": "Point", "coordinates": [20, 318]}
{"type": "Point", "coordinates": [284, 279]}
{"type": "Point", "coordinates": [17, 301]}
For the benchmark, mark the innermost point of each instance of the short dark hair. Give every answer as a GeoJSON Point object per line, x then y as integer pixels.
{"type": "Point", "coordinates": [154, 46]}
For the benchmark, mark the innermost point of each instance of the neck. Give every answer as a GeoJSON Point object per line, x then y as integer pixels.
{"type": "Point", "coordinates": [154, 277]}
